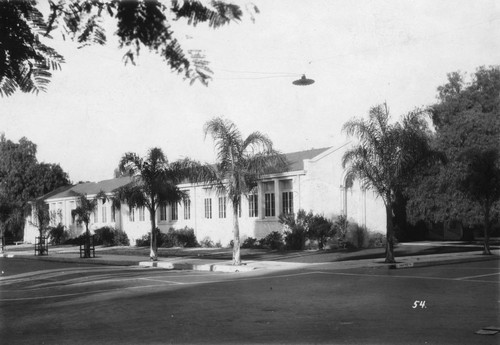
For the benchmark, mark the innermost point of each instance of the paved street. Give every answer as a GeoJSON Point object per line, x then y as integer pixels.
{"type": "Point", "coordinates": [60, 303]}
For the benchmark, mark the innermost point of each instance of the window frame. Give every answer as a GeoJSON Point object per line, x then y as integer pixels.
{"type": "Point", "coordinates": [287, 202]}
{"type": "Point", "coordinates": [222, 207]}
{"type": "Point", "coordinates": [269, 204]}
{"type": "Point", "coordinates": [187, 208]}
{"type": "Point", "coordinates": [163, 213]}
{"type": "Point", "coordinates": [253, 205]}
{"type": "Point", "coordinates": [104, 214]}
{"type": "Point", "coordinates": [142, 216]}
{"type": "Point", "coordinates": [131, 214]}
{"type": "Point", "coordinates": [174, 211]}
{"type": "Point", "coordinates": [208, 208]}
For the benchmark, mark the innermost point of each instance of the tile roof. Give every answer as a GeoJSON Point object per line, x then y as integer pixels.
{"type": "Point", "coordinates": [54, 192]}
{"type": "Point", "coordinates": [296, 159]}
{"type": "Point", "coordinates": [295, 163]}
{"type": "Point", "coordinates": [91, 188]}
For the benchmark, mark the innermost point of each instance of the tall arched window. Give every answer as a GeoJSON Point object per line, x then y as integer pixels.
{"type": "Point", "coordinates": [346, 184]}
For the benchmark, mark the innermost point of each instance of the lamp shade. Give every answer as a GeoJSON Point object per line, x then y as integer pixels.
{"type": "Point", "coordinates": [303, 81]}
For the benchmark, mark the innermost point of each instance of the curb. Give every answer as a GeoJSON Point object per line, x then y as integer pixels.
{"type": "Point", "coordinates": [417, 263]}
{"type": "Point", "coordinates": [92, 261]}
{"type": "Point", "coordinates": [251, 266]}
{"type": "Point", "coordinates": [196, 267]}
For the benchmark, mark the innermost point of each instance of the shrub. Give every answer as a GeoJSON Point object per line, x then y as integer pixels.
{"type": "Point", "coordinates": [103, 236]}
{"type": "Point", "coordinates": [186, 238]}
{"type": "Point", "coordinates": [121, 239]}
{"type": "Point", "coordinates": [273, 241]}
{"type": "Point", "coordinates": [306, 226]}
{"type": "Point", "coordinates": [341, 225]}
{"type": "Point", "coordinates": [109, 236]}
{"type": "Point", "coordinates": [295, 239]}
{"type": "Point", "coordinates": [206, 242]}
{"type": "Point", "coordinates": [320, 229]}
{"type": "Point", "coordinates": [251, 243]}
{"type": "Point", "coordinates": [57, 234]}
{"type": "Point", "coordinates": [376, 240]}
{"type": "Point", "coordinates": [166, 240]}
{"type": "Point", "coordinates": [177, 238]}
{"type": "Point", "coordinates": [143, 241]}
{"type": "Point", "coordinates": [357, 236]}
{"type": "Point", "coordinates": [80, 240]}
{"type": "Point", "coordinates": [295, 229]}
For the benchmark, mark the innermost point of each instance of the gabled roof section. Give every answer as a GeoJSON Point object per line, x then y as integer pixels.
{"type": "Point", "coordinates": [54, 192]}
{"type": "Point", "coordinates": [90, 188]}
{"type": "Point", "coordinates": [296, 159]}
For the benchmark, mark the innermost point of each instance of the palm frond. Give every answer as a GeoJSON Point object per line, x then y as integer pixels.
{"type": "Point", "coordinates": [132, 194]}
{"type": "Point", "coordinates": [257, 142]}
{"type": "Point", "coordinates": [228, 141]}
{"type": "Point", "coordinates": [130, 163]}
{"type": "Point", "coordinates": [263, 163]}
{"type": "Point", "coordinates": [386, 154]}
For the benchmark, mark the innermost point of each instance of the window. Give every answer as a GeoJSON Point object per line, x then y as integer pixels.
{"type": "Point", "coordinates": [222, 207]}
{"type": "Point", "coordinates": [253, 205]}
{"type": "Point", "coordinates": [269, 202]}
{"type": "Point", "coordinates": [269, 205]}
{"type": "Point", "coordinates": [187, 209]}
{"type": "Point", "coordinates": [287, 202]}
{"type": "Point", "coordinates": [104, 213]}
{"type": "Point", "coordinates": [163, 213]}
{"type": "Point", "coordinates": [59, 211]}
{"type": "Point", "coordinates": [96, 219]}
{"type": "Point", "coordinates": [72, 206]}
{"type": "Point", "coordinates": [113, 214]}
{"type": "Point", "coordinates": [52, 210]}
{"type": "Point", "coordinates": [131, 214]}
{"type": "Point", "coordinates": [174, 215]}
{"type": "Point", "coordinates": [208, 208]}
{"type": "Point", "coordinates": [141, 214]}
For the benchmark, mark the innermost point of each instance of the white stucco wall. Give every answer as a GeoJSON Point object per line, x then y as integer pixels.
{"type": "Point", "coordinates": [323, 191]}
{"type": "Point", "coordinates": [319, 188]}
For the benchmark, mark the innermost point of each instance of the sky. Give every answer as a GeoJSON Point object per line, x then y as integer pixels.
{"type": "Point", "coordinates": [360, 54]}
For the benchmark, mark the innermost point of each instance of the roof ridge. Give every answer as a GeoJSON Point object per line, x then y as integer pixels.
{"type": "Point", "coordinates": [312, 149]}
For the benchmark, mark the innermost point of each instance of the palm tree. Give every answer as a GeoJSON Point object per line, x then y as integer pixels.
{"type": "Point", "coordinates": [82, 213]}
{"type": "Point", "coordinates": [154, 184]}
{"type": "Point", "coordinates": [385, 157]}
{"type": "Point", "coordinates": [240, 162]}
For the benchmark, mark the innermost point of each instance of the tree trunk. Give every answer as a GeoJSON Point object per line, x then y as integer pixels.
{"type": "Point", "coordinates": [153, 244]}
{"type": "Point", "coordinates": [486, 250]}
{"type": "Point", "coordinates": [236, 241]}
{"type": "Point", "coordinates": [87, 242]}
{"type": "Point", "coordinates": [389, 246]}
{"type": "Point", "coordinates": [2, 240]}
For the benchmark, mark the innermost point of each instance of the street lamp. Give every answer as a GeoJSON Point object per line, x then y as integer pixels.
{"type": "Point", "coordinates": [303, 81]}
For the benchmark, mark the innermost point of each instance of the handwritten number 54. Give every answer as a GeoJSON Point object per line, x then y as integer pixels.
{"type": "Point", "coordinates": [418, 304]}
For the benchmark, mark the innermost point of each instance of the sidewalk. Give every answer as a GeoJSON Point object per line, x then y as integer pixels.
{"type": "Point", "coordinates": [219, 260]}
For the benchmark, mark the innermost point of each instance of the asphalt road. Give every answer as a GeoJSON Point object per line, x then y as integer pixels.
{"type": "Point", "coordinates": [58, 303]}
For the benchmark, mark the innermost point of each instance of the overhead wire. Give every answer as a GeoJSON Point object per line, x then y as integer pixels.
{"type": "Point", "coordinates": [271, 75]}
{"type": "Point", "coordinates": [360, 52]}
